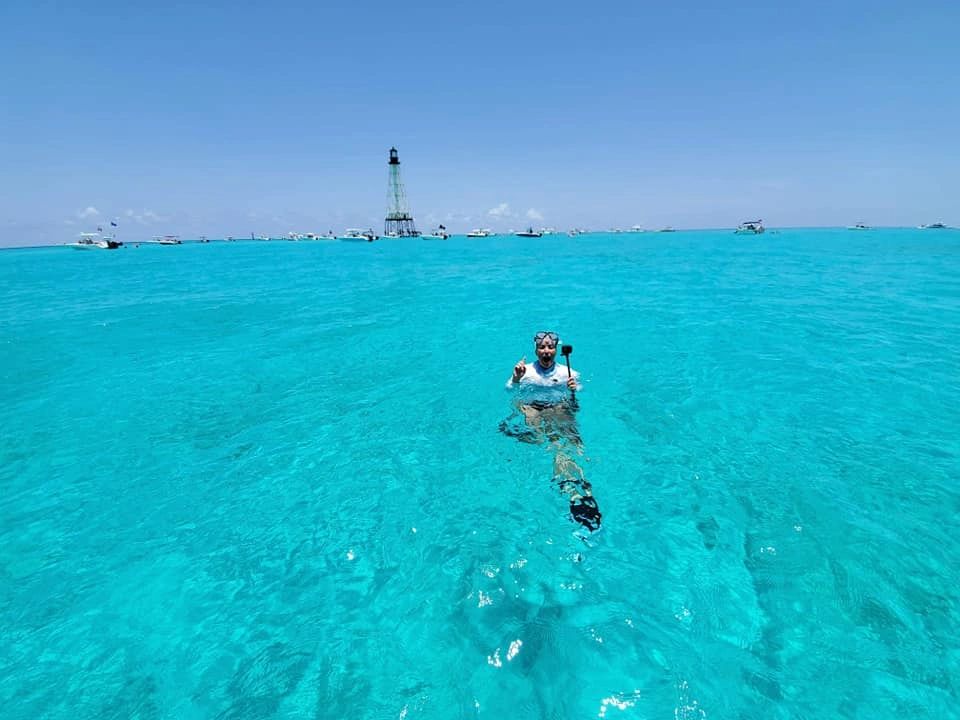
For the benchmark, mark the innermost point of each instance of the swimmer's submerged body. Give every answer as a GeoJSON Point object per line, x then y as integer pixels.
{"type": "Point", "coordinates": [546, 415]}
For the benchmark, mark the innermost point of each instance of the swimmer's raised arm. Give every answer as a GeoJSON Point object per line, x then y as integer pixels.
{"type": "Point", "coordinates": [519, 370]}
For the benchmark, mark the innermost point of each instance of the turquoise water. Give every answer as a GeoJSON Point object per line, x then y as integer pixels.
{"type": "Point", "coordinates": [264, 480]}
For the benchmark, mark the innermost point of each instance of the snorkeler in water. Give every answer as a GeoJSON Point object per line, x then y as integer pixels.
{"type": "Point", "coordinates": [547, 403]}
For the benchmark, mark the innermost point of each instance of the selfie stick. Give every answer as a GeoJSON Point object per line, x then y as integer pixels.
{"type": "Point", "coordinates": [566, 350]}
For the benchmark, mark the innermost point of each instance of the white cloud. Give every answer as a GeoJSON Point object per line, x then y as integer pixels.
{"type": "Point", "coordinates": [500, 211]}
{"type": "Point", "coordinates": [88, 212]}
{"type": "Point", "coordinates": [534, 214]}
{"type": "Point", "coordinates": [144, 217]}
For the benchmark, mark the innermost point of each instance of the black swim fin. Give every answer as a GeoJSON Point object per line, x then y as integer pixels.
{"type": "Point", "coordinates": [586, 512]}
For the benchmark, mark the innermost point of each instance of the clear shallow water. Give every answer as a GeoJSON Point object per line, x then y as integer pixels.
{"type": "Point", "coordinates": [265, 480]}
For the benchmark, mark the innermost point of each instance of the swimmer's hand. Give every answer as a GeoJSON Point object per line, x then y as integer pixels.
{"type": "Point", "coordinates": [520, 369]}
{"type": "Point", "coordinates": [572, 383]}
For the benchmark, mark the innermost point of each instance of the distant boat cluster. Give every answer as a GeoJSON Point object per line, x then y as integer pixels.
{"type": "Point", "coordinates": [88, 241]}
{"type": "Point", "coordinates": [399, 223]}
{"type": "Point", "coordinates": [931, 226]}
{"type": "Point", "coordinates": [99, 241]}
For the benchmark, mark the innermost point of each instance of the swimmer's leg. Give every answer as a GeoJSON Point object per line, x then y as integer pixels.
{"type": "Point", "coordinates": [571, 481]}
{"type": "Point", "coordinates": [561, 428]}
{"type": "Point", "coordinates": [528, 430]}
{"type": "Point", "coordinates": [527, 435]}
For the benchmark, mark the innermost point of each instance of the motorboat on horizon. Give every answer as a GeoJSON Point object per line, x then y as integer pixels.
{"type": "Point", "coordinates": [751, 227]}
{"type": "Point", "coordinates": [167, 240]}
{"type": "Point", "coordinates": [860, 226]}
{"type": "Point", "coordinates": [934, 226]}
{"type": "Point", "coordinates": [668, 228]}
{"type": "Point", "coordinates": [529, 232]}
{"type": "Point", "coordinates": [358, 235]}
{"type": "Point", "coordinates": [637, 229]}
{"type": "Point", "coordinates": [480, 233]}
{"type": "Point", "coordinates": [95, 241]}
{"type": "Point", "coordinates": [440, 233]}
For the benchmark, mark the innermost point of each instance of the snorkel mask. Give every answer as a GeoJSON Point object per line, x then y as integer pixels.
{"type": "Point", "coordinates": [547, 336]}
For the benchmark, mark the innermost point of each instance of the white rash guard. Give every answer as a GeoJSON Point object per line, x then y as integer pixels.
{"type": "Point", "coordinates": [544, 386]}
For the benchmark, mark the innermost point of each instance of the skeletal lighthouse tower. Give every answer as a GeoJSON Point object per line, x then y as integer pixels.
{"type": "Point", "coordinates": [399, 222]}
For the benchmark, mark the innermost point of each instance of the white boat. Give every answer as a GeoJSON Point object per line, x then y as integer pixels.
{"type": "Point", "coordinates": [357, 235]}
{"type": "Point", "coordinates": [439, 234]}
{"type": "Point", "coordinates": [167, 240]}
{"type": "Point", "coordinates": [934, 226]}
{"type": "Point", "coordinates": [529, 232]}
{"type": "Point", "coordinates": [859, 226]}
{"type": "Point", "coordinates": [480, 233]}
{"type": "Point", "coordinates": [751, 227]}
{"type": "Point", "coordinates": [637, 229]}
{"type": "Point", "coordinates": [668, 228]}
{"type": "Point", "coordinates": [95, 241]}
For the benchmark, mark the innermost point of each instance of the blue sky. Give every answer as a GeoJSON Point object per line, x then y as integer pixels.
{"type": "Point", "coordinates": [231, 118]}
